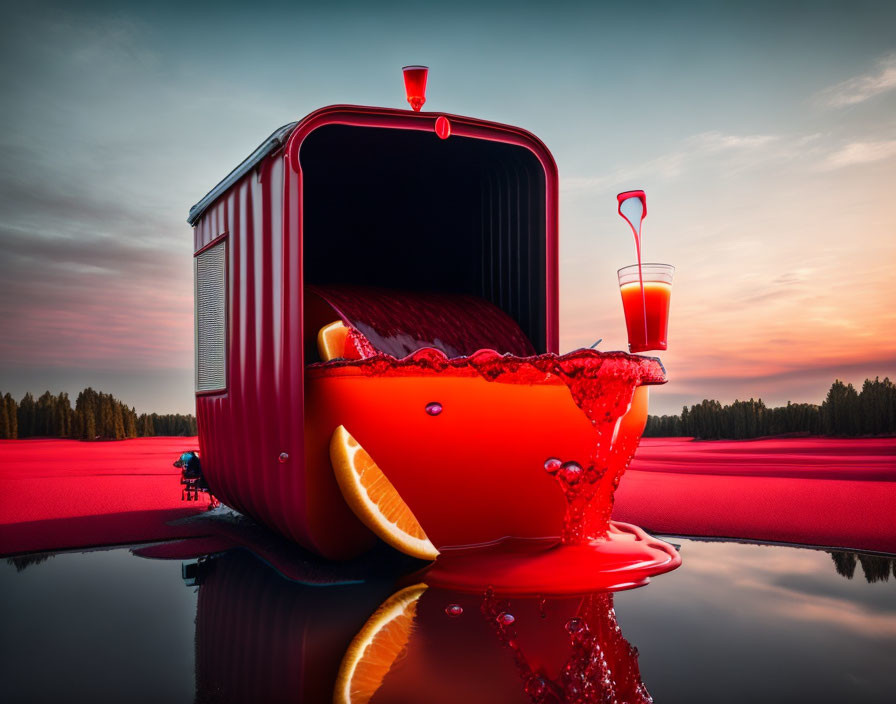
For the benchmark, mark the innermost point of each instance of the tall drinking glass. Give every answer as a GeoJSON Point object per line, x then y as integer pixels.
{"type": "Point", "coordinates": [647, 317]}
{"type": "Point", "coordinates": [415, 85]}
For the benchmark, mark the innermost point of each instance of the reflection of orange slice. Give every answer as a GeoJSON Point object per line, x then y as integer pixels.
{"type": "Point", "coordinates": [377, 646]}
{"type": "Point", "coordinates": [373, 498]}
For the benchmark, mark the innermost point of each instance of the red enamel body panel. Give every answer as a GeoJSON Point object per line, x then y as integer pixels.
{"type": "Point", "coordinates": [251, 434]}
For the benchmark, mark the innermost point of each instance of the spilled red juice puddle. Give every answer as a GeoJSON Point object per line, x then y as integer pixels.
{"type": "Point", "coordinates": [625, 558]}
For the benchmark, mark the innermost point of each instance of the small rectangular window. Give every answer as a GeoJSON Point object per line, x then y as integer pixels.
{"type": "Point", "coordinates": [211, 318]}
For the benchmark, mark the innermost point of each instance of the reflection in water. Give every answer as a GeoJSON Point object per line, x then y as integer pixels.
{"type": "Point", "coordinates": [601, 665]}
{"type": "Point", "coordinates": [260, 637]}
{"type": "Point", "coordinates": [737, 622]}
{"type": "Point", "coordinates": [25, 561]}
{"type": "Point", "coordinates": [876, 568]}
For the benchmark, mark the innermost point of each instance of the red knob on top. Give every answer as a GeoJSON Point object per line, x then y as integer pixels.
{"type": "Point", "coordinates": [415, 85]}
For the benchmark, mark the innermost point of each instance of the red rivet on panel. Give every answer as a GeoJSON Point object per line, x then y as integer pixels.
{"type": "Point", "coordinates": [443, 127]}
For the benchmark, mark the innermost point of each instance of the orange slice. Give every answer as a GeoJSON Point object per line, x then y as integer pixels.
{"type": "Point", "coordinates": [331, 341]}
{"type": "Point", "coordinates": [373, 498]}
{"type": "Point", "coordinates": [372, 652]}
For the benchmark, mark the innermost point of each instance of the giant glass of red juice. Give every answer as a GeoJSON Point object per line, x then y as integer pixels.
{"type": "Point", "coordinates": [645, 300]}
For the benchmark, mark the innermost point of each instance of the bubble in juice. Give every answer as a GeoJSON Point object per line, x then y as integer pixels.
{"type": "Point", "coordinates": [574, 625]}
{"type": "Point", "coordinates": [434, 408]}
{"type": "Point", "coordinates": [505, 619]}
{"type": "Point", "coordinates": [570, 473]}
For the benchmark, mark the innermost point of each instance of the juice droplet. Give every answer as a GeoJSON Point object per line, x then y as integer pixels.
{"type": "Point", "coordinates": [551, 465]}
{"type": "Point", "coordinates": [434, 408]}
{"type": "Point", "coordinates": [505, 619]}
{"type": "Point", "coordinates": [454, 610]}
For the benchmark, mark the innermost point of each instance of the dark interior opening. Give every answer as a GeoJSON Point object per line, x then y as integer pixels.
{"type": "Point", "coordinates": [404, 209]}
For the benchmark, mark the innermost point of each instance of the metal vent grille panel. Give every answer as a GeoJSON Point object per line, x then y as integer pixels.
{"type": "Point", "coordinates": [211, 318]}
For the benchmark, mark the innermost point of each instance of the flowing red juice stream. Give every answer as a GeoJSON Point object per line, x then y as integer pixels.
{"type": "Point", "coordinates": [633, 208]}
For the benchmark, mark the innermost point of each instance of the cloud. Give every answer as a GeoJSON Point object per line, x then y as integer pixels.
{"type": "Point", "coordinates": [736, 151]}
{"type": "Point", "coordinates": [716, 141]}
{"type": "Point", "coordinates": [859, 153]}
{"type": "Point", "coordinates": [103, 300]}
{"type": "Point", "coordinates": [861, 88]}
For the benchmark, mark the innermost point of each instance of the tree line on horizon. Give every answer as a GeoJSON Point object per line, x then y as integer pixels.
{"type": "Point", "coordinates": [95, 416]}
{"type": "Point", "coordinates": [845, 412]}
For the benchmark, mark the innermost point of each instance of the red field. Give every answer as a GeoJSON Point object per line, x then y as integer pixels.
{"type": "Point", "coordinates": [65, 493]}
{"type": "Point", "coordinates": [812, 491]}
{"type": "Point", "coordinates": [57, 494]}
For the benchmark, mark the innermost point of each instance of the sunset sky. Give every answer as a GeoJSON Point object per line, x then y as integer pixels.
{"type": "Point", "coordinates": [764, 136]}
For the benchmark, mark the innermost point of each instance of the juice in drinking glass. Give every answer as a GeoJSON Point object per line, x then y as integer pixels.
{"type": "Point", "coordinates": [415, 85]}
{"type": "Point", "coordinates": [647, 317]}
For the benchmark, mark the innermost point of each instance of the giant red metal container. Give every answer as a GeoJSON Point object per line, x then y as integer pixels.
{"type": "Point", "coordinates": [370, 196]}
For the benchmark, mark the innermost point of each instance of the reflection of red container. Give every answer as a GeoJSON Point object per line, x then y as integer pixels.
{"type": "Point", "coordinates": [262, 638]}
{"type": "Point", "coordinates": [372, 197]}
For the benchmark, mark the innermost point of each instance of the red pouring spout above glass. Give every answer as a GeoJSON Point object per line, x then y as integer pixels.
{"type": "Point", "coordinates": [633, 209]}
{"type": "Point", "coordinates": [415, 85]}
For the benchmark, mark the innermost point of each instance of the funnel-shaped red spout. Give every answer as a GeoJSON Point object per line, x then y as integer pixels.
{"type": "Point", "coordinates": [415, 85]}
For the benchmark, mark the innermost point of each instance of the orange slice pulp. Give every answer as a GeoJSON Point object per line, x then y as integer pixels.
{"type": "Point", "coordinates": [374, 499]}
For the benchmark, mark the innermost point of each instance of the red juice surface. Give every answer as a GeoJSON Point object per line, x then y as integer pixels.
{"type": "Point", "coordinates": [474, 472]}
{"type": "Point", "coordinates": [656, 306]}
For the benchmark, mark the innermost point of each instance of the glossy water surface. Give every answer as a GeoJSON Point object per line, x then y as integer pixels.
{"type": "Point", "coordinates": [736, 623]}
